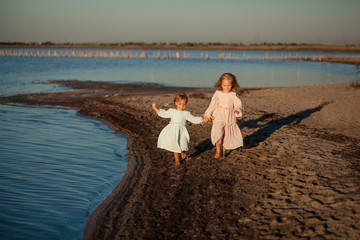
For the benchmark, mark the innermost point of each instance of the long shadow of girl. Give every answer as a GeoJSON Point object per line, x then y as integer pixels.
{"type": "Point", "coordinates": [264, 131]}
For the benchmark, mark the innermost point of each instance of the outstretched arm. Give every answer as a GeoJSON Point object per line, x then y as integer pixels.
{"type": "Point", "coordinates": [214, 101]}
{"type": "Point", "coordinates": [156, 109]}
{"type": "Point", "coordinates": [192, 119]}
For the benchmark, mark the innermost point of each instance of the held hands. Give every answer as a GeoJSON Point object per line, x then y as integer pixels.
{"type": "Point", "coordinates": [206, 119]}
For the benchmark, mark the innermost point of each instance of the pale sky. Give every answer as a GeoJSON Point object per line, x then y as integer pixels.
{"type": "Point", "coordinates": [181, 21]}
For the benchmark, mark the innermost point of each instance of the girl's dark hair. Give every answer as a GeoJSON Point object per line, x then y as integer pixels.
{"type": "Point", "coordinates": [181, 96]}
{"type": "Point", "coordinates": [227, 76]}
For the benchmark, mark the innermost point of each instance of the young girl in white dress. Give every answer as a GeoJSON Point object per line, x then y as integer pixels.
{"type": "Point", "coordinates": [224, 108]}
{"type": "Point", "coordinates": [175, 137]}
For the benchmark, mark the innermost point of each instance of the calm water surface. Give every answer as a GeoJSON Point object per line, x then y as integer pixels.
{"type": "Point", "coordinates": [18, 74]}
{"type": "Point", "coordinates": [56, 167]}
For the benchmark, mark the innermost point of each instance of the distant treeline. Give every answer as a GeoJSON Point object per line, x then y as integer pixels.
{"type": "Point", "coordinates": [188, 46]}
{"type": "Point", "coordinates": [143, 44]}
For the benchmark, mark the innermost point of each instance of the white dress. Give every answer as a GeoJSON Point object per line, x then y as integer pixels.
{"type": "Point", "coordinates": [175, 137]}
{"type": "Point", "coordinates": [222, 110]}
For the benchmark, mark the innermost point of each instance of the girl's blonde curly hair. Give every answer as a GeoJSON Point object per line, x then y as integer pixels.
{"type": "Point", "coordinates": [227, 76]}
{"type": "Point", "coordinates": [181, 96]}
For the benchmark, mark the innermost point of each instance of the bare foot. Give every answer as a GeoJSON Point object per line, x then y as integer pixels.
{"type": "Point", "coordinates": [223, 153]}
{"type": "Point", "coordinates": [183, 155]}
{"type": "Point", "coordinates": [217, 156]}
{"type": "Point", "coordinates": [177, 163]}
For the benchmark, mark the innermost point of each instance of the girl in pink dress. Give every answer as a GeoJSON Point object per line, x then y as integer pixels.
{"type": "Point", "coordinates": [224, 108]}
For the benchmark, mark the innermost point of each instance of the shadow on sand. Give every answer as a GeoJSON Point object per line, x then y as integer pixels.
{"type": "Point", "coordinates": [273, 123]}
{"type": "Point", "coordinates": [265, 130]}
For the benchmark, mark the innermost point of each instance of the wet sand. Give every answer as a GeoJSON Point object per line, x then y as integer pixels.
{"type": "Point", "coordinates": [296, 177]}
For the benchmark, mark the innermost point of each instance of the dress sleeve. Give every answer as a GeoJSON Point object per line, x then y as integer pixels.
{"type": "Point", "coordinates": [212, 105]}
{"type": "Point", "coordinates": [164, 114]}
{"type": "Point", "coordinates": [192, 119]}
{"type": "Point", "coordinates": [238, 106]}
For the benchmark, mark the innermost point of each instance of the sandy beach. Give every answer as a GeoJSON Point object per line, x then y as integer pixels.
{"type": "Point", "coordinates": [296, 177]}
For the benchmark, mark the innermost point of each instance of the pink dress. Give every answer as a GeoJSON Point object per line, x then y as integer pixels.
{"type": "Point", "coordinates": [224, 129]}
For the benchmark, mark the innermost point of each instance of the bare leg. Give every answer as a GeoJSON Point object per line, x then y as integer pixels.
{"type": "Point", "coordinates": [223, 153]}
{"type": "Point", "coordinates": [177, 158]}
{"type": "Point", "coordinates": [218, 149]}
{"type": "Point", "coordinates": [183, 155]}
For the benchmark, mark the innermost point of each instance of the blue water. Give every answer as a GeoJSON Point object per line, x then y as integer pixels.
{"type": "Point", "coordinates": [17, 74]}
{"type": "Point", "coordinates": [56, 167]}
